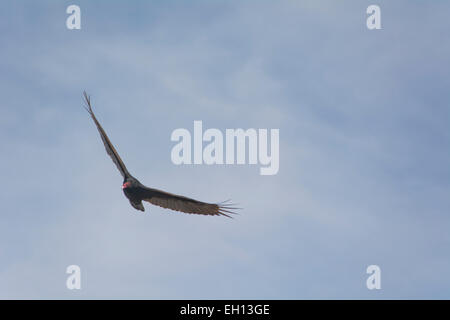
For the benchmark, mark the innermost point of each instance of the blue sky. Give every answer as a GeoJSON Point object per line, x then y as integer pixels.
{"type": "Point", "coordinates": [364, 149]}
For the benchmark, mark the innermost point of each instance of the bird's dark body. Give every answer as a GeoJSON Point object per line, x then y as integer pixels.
{"type": "Point", "coordinates": [136, 192]}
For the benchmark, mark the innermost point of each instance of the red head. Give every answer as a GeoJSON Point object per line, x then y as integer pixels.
{"type": "Point", "coordinates": [126, 185]}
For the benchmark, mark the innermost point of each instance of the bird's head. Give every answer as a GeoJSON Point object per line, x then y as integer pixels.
{"type": "Point", "coordinates": [130, 183]}
{"type": "Point", "coordinates": [126, 184]}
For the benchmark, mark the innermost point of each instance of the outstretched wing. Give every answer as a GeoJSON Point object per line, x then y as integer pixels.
{"type": "Point", "coordinates": [108, 145]}
{"type": "Point", "coordinates": [184, 204]}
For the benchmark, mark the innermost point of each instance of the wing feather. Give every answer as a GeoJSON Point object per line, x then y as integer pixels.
{"type": "Point", "coordinates": [108, 145]}
{"type": "Point", "coordinates": [184, 204]}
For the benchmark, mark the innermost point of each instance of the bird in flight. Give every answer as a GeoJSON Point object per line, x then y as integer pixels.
{"type": "Point", "coordinates": [136, 192]}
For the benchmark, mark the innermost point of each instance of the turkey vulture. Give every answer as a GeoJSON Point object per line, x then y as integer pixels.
{"type": "Point", "coordinates": [136, 192]}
